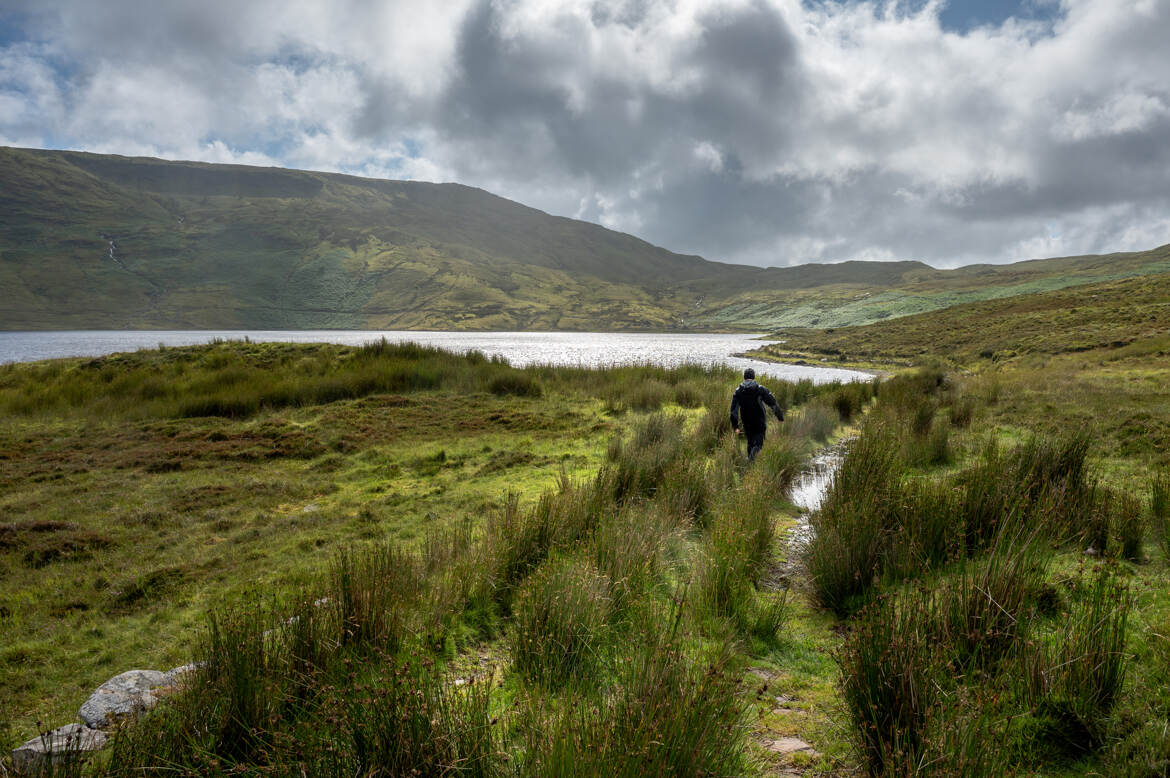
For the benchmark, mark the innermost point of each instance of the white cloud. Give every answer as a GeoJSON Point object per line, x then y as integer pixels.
{"type": "Point", "coordinates": [1124, 113]}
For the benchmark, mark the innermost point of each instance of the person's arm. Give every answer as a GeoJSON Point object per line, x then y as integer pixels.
{"type": "Point", "coordinates": [735, 411]}
{"type": "Point", "coordinates": [770, 401]}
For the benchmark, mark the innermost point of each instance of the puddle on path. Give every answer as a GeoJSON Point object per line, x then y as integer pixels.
{"type": "Point", "coordinates": [807, 493]}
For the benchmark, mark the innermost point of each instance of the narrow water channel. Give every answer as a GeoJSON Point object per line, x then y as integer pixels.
{"type": "Point", "coordinates": [807, 493]}
{"type": "Point", "coordinates": [810, 488]}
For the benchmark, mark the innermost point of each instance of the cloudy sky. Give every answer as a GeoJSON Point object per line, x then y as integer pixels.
{"type": "Point", "coordinates": [769, 132]}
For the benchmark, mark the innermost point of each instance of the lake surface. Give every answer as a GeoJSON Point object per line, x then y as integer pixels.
{"type": "Point", "coordinates": [591, 349]}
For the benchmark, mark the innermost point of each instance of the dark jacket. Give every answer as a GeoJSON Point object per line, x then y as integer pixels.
{"type": "Point", "coordinates": [748, 402]}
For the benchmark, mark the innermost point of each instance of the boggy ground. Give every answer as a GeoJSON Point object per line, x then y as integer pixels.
{"type": "Point", "coordinates": [117, 536]}
{"type": "Point", "coordinates": [121, 525]}
{"type": "Point", "coordinates": [586, 579]}
{"type": "Point", "coordinates": [1029, 459]}
{"type": "Point", "coordinates": [141, 492]}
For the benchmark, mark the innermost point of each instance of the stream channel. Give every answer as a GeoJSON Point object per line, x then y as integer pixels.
{"type": "Point", "coordinates": [807, 493]}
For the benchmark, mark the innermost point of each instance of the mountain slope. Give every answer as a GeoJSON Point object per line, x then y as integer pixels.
{"type": "Point", "coordinates": [94, 241]}
{"type": "Point", "coordinates": [778, 297]}
{"type": "Point", "coordinates": [99, 241]}
{"type": "Point", "coordinates": [1129, 317]}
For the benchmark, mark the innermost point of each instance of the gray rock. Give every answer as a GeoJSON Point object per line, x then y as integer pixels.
{"type": "Point", "coordinates": [123, 695]}
{"type": "Point", "coordinates": [789, 745]}
{"type": "Point", "coordinates": [71, 741]}
{"type": "Point", "coordinates": [174, 676]}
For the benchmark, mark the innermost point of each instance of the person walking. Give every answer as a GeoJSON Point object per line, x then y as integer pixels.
{"type": "Point", "coordinates": [749, 403]}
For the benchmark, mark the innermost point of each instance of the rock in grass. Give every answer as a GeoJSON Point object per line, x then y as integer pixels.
{"type": "Point", "coordinates": [71, 741]}
{"type": "Point", "coordinates": [174, 677]}
{"type": "Point", "coordinates": [123, 695]}
{"type": "Point", "coordinates": [789, 745]}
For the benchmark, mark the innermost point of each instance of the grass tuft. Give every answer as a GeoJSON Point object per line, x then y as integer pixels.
{"type": "Point", "coordinates": [1073, 679]}
{"type": "Point", "coordinates": [373, 593]}
{"type": "Point", "coordinates": [407, 720]}
{"type": "Point", "coordinates": [670, 714]}
{"type": "Point", "coordinates": [1160, 510]}
{"type": "Point", "coordinates": [561, 619]}
{"type": "Point", "coordinates": [886, 685]}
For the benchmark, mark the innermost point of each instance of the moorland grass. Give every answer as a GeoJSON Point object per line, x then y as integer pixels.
{"type": "Point", "coordinates": [956, 622]}
{"type": "Point", "coordinates": [185, 514]}
{"type": "Point", "coordinates": [886, 684]}
{"type": "Point", "coordinates": [1057, 410]}
{"type": "Point", "coordinates": [557, 633]}
{"type": "Point", "coordinates": [670, 714]}
{"type": "Point", "coordinates": [1072, 677]}
{"type": "Point", "coordinates": [974, 637]}
{"type": "Point", "coordinates": [922, 665]}
{"type": "Point", "coordinates": [563, 584]}
{"type": "Point", "coordinates": [1159, 487]}
{"type": "Point", "coordinates": [878, 523]}
{"type": "Point", "coordinates": [561, 616]}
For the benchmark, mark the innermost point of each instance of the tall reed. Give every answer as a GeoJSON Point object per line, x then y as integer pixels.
{"type": "Point", "coordinates": [629, 549]}
{"type": "Point", "coordinates": [983, 609]}
{"type": "Point", "coordinates": [1160, 510]}
{"type": "Point", "coordinates": [374, 591]}
{"type": "Point", "coordinates": [669, 714]}
{"type": "Point", "coordinates": [1075, 676]}
{"type": "Point", "coordinates": [639, 464]}
{"type": "Point", "coordinates": [850, 530]}
{"type": "Point", "coordinates": [885, 667]}
{"type": "Point", "coordinates": [1129, 525]}
{"type": "Point", "coordinates": [407, 720]}
{"type": "Point", "coordinates": [561, 617]}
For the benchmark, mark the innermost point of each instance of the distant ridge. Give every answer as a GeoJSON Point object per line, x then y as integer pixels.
{"type": "Point", "coordinates": [101, 241]}
{"type": "Point", "coordinates": [1123, 318]}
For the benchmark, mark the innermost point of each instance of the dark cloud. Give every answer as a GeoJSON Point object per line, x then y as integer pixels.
{"type": "Point", "coordinates": [750, 46]}
{"type": "Point", "coordinates": [737, 68]}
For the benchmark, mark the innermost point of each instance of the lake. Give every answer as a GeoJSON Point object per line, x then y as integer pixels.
{"type": "Point", "coordinates": [592, 349]}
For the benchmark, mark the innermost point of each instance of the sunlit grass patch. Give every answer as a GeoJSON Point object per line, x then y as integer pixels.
{"type": "Point", "coordinates": [533, 576]}
{"type": "Point", "coordinates": [186, 514]}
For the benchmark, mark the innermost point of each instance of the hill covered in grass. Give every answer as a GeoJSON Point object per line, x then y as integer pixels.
{"type": "Point", "coordinates": [1089, 357]}
{"type": "Point", "coordinates": [1127, 317]}
{"type": "Point", "coordinates": [857, 293]}
{"type": "Point", "coordinates": [99, 241]}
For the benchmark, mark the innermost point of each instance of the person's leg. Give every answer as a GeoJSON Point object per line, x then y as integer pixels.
{"type": "Point", "coordinates": [755, 442]}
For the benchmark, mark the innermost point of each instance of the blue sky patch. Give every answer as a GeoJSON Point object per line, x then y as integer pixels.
{"type": "Point", "coordinates": [964, 15]}
{"type": "Point", "coordinates": [13, 28]}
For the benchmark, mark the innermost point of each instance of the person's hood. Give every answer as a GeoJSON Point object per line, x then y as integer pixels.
{"type": "Point", "coordinates": [748, 383]}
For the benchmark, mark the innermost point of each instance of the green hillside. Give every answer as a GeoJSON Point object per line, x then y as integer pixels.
{"type": "Point", "coordinates": [198, 245]}
{"type": "Point", "coordinates": [98, 241]}
{"type": "Point", "coordinates": [1087, 358]}
{"type": "Point", "coordinates": [860, 294]}
{"type": "Point", "coordinates": [1128, 316]}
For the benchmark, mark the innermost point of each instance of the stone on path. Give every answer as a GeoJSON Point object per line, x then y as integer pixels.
{"type": "Point", "coordinates": [789, 745]}
{"type": "Point", "coordinates": [68, 742]}
{"type": "Point", "coordinates": [124, 695]}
